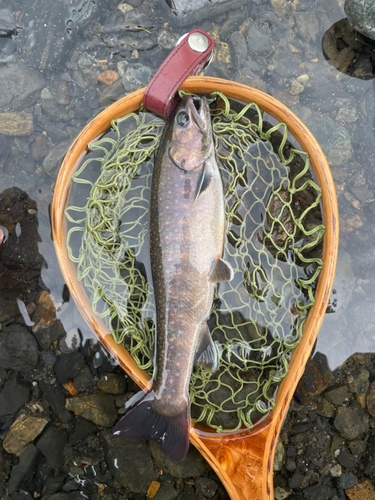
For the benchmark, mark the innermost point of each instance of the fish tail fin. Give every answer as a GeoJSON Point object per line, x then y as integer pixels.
{"type": "Point", "coordinates": [145, 422]}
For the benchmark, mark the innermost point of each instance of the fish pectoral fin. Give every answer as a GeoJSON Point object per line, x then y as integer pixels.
{"type": "Point", "coordinates": [221, 271]}
{"type": "Point", "coordinates": [206, 354]}
{"type": "Point", "coordinates": [203, 182]}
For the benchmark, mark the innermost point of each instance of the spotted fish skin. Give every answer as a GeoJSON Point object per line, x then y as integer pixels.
{"type": "Point", "coordinates": [187, 223]}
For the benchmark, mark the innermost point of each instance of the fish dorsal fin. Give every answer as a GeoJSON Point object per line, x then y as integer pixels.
{"type": "Point", "coordinates": [203, 182]}
{"type": "Point", "coordinates": [221, 271]}
{"type": "Point", "coordinates": [206, 355]}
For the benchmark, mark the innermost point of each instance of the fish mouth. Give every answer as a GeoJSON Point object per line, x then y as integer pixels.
{"type": "Point", "coordinates": [199, 112]}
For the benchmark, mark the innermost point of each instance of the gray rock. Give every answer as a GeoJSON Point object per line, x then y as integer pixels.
{"type": "Point", "coordinates": [206, 487]}
{"type": "Point", "coordinates": [18, 349]}
{"type": "Point", "coordinates": [136, 76]}
{"type": "Point", "coordinates": [238, 47]}
{"type": "Point", "coordinates": [361, 16]}
{"type": "Point", "coordinates": [296, 480]}
{"type": "Point", "coordinates": [19, 85]}
{"type": "Point", "coordinates": [347, 480]}
{"type": "Point", "coordinates": [333, 138]}
{"type": "Point", "coordinates": [307, 25]}
{"type": "Point", "coordinates": [318, 492]}
{"type": "Point", "coordinates": [349, 422]}
{"type": "Point", "coordinates": [52, 484]}
{"type": "Point", "coordinates": [166, 492]}
{"type": "Point", "coordinates": [13, 396]}
{"type": "Point", "coordinates": [129, 461]}
{"type": "Point", "coordinates": [52, 161]}
{"type": "Point", "coordinates": [186, 12]}
{"type": "Point", "coordinates": [260, 37]}
{"type": "Point", "coordinates": [337, 394]}
{"type": "Point", "coordinates": [193, 465]}
{"type": "Point", "coordinates": [187, 494]}
{"type": "Point", "coordinates": [25, 465]}
{"type": "Point", "coordinates": [99, 408]}
{"type": "Point", "coordinates": [325, 409]}
{"type": "Point", "coordinates": [370, 400]}
{"type": "Point", "coordinates": [84, 381]}
{"type": "Point", "coordinates": [52, 444]}
{"type": "Point", "coordinates": [357, 447]}
{"type": "Point", "coordinates": [167, 40]}
{"type": "Point", "coordinates": [112, 93]}
{"type": "Point", "coordinates": [82, 429]}
{"type": "Point", "coordinates": [360, 382]}
{"type": "Point", "coordinates": [68, 366]}
{"type": "Point", "coordinates": [346, 460]}
{"type": "Point", "coordinates": [56, 400]}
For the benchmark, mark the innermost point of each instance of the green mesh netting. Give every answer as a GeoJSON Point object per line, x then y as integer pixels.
{"type": "Point", "coordinates": [274, 232]}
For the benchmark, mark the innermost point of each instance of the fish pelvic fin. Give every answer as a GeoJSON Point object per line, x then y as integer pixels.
{"type": "Point", "coordinates": [221, 271]}
{"type": "Point", "coordinates": [143, 421]}
{"type": "Point", "coordinates": [206, 354]}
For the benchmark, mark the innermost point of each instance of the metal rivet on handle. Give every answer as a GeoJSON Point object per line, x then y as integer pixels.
{"type": "Point", "coordinates": [198, 42]}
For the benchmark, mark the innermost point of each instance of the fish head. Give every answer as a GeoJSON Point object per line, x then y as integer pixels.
{"type": "Point", "coordinates": [191, 139]}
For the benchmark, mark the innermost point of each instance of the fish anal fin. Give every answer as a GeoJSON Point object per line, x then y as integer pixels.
{"type": "Point", "coordinates": [221, 271]}
{"type": "Point", "coordinates": [203, 182]}
{"type": "Point", "coordinates": [206, 355]}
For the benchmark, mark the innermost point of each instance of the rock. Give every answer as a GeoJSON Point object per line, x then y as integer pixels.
{"type": "Point", "coordinates": [369, 459]}
{"type": "Point", "coordinates": [347, 115]}
{"type": "Point", "coordinates": [307, 25]}
{"type": "Point", "coordinates": [333, 138]}
{"type": "Point", "coordinates": [19, 85]}
{"type": "Point", "coordinates": [282, 493]}
{"type": "Point", "coordinates": [166, 492]}
{"type": "Point", "coordinates": [18, 349]}
{"type": "Point", "coordinates": [84, 381]}
{"type": "Point", "coordinates": [361, 16]}
{"type": "Point", "coordinates": [16, 123]}
{"type": "Point", "coordinates": [295, 87]}
{"type": "Point", "coordinates": [129, 461]}
{"type": "Point", "coordinates": [193, 465]}
{"type": "Point", "coordinates": [280, 7]}
{"type": "Point", "coordinates": [238, 46]}
{"type": "Point", "coordinates": [82, 429]}
{"type": "Point", "coordinates": [296, 480]}
{"type": "Point", "coordinates": [52, 444]}
{"type": "Point", "coordinates": [13, 396]}
{"type": "Point", "coordinates": [99, 408]}
{"type": "Point", "coordinates": [61, 92]}
{"type": "Point", "coordinates": [318, 492]}
{"type": "Point", "coordinates": [24, 430]}
{"type": "Point", "coordinates": [364, 490]}
{"type": "Point", "coordinates": [136, 76]}
{"type": "Point", "coordinates": [52, 161]}
{"type": "Point", "coordinates": [325, 409]}
{"type": "Point", "coordinates": [26, 464]}
{"type": "Point", "coordinates": [279, 455]}
{"type": "Point", "coordinates": [260, 37]}
{"type": "Point", "coordinates": [39, 147]}
{"type": "Point", "coordinates": [370, 400]}
{"type": "Point", "coordinates": [206, 487]}
{"type": "Point", "coordinates": [112, 93]}
{"type": "Point", "coordinates": [153, 489]}
{"type": "Point", "coordinates": [56, 400]}
{"type": "Point", "coordinates": [68, 366]}
{"type": "Point", "coordinates": [187, 494]}
{"type": "Point", "coordinates": [357, 447]}
{"type": "Point", "coordinates": [167, 40]}
{"type": "Point", "coordinates": [347, 480]}
{"type": "Point", "coordinates": [108, 77]}
{"type": "Point", "coordinates": [112, 383]}
{"type": "Point", "coordinates": [336, 470]}
{"type": "Point", "coordinates": [346, 460]}
{"type": "Point", "coordinates": [315, 379]}
{"type": "Point", "coordinates": [52, 484]}
{"type": "Point", "coordinates": [349, 422]}
{"type": "Point", "coordinates": [182, 13]}
{"type": "Point", "coordinates": [337, 394]}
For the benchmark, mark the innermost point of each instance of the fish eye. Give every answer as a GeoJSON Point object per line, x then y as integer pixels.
{"type": "Point", "coordinates": [182, 119]}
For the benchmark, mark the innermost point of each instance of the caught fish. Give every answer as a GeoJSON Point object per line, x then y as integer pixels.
{"type": "Point", "coordinates": [187, 224]}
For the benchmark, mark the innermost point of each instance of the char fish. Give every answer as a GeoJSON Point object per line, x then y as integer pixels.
{"type": "Point", "coordinates": [187, 227]}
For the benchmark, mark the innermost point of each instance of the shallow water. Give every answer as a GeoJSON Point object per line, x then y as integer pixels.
{"type": "Point", "coordinates": [284, 57]}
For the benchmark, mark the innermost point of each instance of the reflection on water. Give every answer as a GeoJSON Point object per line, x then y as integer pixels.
{"type": "Point", "coordinates": [274, 46]}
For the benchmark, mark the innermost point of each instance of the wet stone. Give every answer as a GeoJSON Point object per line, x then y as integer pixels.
{"type": "Point", "coordinates": [364, 490]}
{"type": "Point", "coordinates": [206, 486]}
{"type": "Point", "coordinates": [16, 123]}
{"type": "Point", "coordinates": [52, 484]}
{"type": "Point", "coordinates": [369, 459]}
{"type": "Point", "coordinates": [318, 492]}
{"type": "Point", "coordinates": [81, 430]}
{"type": "Point", "coordinates": [19, 85]}
{"type": "Point", "coordinates": [361, 16]}
{"type": "Point", "coordinates": [52, 444]}
{"type": "Point", "coordinates": [136, 76]}
{"type": "Point", "coordinates": [307, 25]}
{"type": "Point", "coordinates": [129, 461]}
{"type": "Point", "coordinates": [315, 379]}
{"type": "Point", "coordinates": [282, 493]}
{"type": "Point", "coordinates": [167, 40]}
{"type": "Point", "coordinates": [357, 447]}
{"type": "Point", "coordinates": [370, 399]}
{"type": "Point", "coordinates": [68, 366]}
{"type": "Point", "coordinates": [237, 44]}
{"type": "Point", "coordinates": [166, 492]}
{"type": "Point", "coordinates": [333, 138]}
{"type": "Point", "coordinates": [99, 408]}
{"type": "Point", "coordinates": [112, 383]}
{"type": "Point", "coordinates": [346, 460]}
{"type": "Point", "coordinates": [28, 458]}
{"type": "Point", "coordinates": [349, 422]}
{"type": "Point", "coordinates": [259, 38]}
{"type": "Point", "coordinates": [360, 381]}
{"type": "Point", "coordinates": [52, 161]}
{"type": "Point", "coordinates": [325, 409]}
{"type": "Point", "coordinates": [24, 430]}
{"type": "Point", "coordinates": [13, 396]}
{"type": "Point", "coordinates": [56, 400]}
{"type": "Point", "coordinates": [18, 349]}
{"type": "Point", "coordinates": [84, 380]}
{"type": "Point", "coordinates": [296, 480]}
{"type": "Point", "coordinates": [337, 394]}
{"type": "Point", "coordinates": [347, 480]}
{"type": "Point", "coordinates": [193, 465]}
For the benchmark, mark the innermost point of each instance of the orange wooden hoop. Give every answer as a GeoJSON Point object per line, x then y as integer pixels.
{"type": "Point", "coordinates": [243, 460]}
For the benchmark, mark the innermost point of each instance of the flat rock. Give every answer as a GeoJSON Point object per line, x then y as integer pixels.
{"type": "Point", "coordinates": [24, 430]}
{"type": "Point", "coordinates": [52, 444]}
{"type": "Point", "coordinates": [129, 461]}
{"type": "Point", "coordinates": [360, 381]}
{"type": "Point", "coordinates": [28, 458]}
{"type": "Point", "coordinates": [18, 349]}
{"type": "Point", "coordinates": [193, 465]}
{"type": "Point", "coordinates": [99, 408]}
{"type": "Point", "coordinates": [364, 490]}
{"type": "Point", "coordinates": [52, 161]}
{"type": "Point", "coordinates": [166, 492]}
{"type": "Point", "coordinates": [16, 123]}
{"type": "Point", "coordinates": [136, 76]}
{"type": "Point", "coordinates": [82, 429]}
{"type": "Point", "coordinates": [68, 366]}
{"type": "Point", "coordinates": [206, 487]}
{"type": "Point", "coordinates": [19, 85]}
{"type": "Point", "coordinates": [361, 16]}
{"type": "Point", "coordinates": [347, 480]}
{"type": "Point", "coordinates": [315, 379]}
{"type": "Point", "coordinates": [318, 492]}
{"type": "Point", "coordinates": [370, 399]}
{"type": "Point", "coordinates": [336, 394]}
{"type": "Point", "coordinates": [349, 422]}
{"type": "Point", "coordinates": [112, 383]}
{"type": "Point", "coordinates": [13, 396]}
{"type": "Point", "coordinates": [325, 409]}
{"type": "Point", "coordinates": [56, 400]}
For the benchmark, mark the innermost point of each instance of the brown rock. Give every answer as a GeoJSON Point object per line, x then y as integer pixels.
{"type": "Point", "coordinates": [108, 77]}
{"type": "Point", "coordinates": [315, 379]}
{"type": "Point", "coordinates": [24, 430]}
{"type": "Point", "coordinates": [364, 490]}
{"type": "Point", "coordinates": [349, 423]}
{"type": "Point", "coordinates": [99, 408]}
{"type": "Point", "coordinates": [16, 123]}
{"type": "Point", "coordinates": [111, 383]}
{"type": "Point", "coordinates": [39, 147]}
{"type": "Point", "coordinates": [370, 400]}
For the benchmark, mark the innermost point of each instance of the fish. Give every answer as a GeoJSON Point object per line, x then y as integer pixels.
{"type": "Point", "coordinates": [187, 230]}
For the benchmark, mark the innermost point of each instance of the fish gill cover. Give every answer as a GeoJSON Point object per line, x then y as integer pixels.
{"type": "Point", "coordinates": [273, 242]}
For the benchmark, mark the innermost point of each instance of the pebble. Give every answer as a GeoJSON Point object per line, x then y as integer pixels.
{"type": "Point", "coordinates": [153, 489]}
{"type": "Point", "coordinates": [24, 430]}
{"type": "Point", "coordinates": [318, 492]}
{"type": "Point", "coordinates": [281, 8]}
{"type": "Point", "coordinates": [167, 40]}
{"type": "Point", "coordinates": [18, 349]}
{"type": "Point", "coordinates": [136, 76]}
{"type": "Point", "coordinates": [46, 94]}
{"type": "Point", "coordinates": [129, 461]}
{"type": "Point", "coordinates": [303, 78]}
{"type": "Point", "coordinates": [16, 124]}
{"type": "Point", "coordinates": [39, 148]}
{"type": "Point", "coordinates": [166, 492]}
{"type": "Point", "coordinates": [349, 422]}
{"type": "Point", "coordinates": [281, 493]}
{"type": "Point", "coordinates": [325, 409]}
{"type": "Point", "coordinates": [315, 379]}
{"type": "Point", "coordinates": [108, 77]}
{"type": "Point", "coordinates": [206, 487]}
{"type": "Point", "coordinates": [336, 470]}
{"type": "Point", "coordinates": [347, 115]}
{"type": "Point", "coordinates": [13, 396]}
{"type": "Point", "coordinates": [193, 465]}
{"type": "Point", "coordinates": [99, 408]}
{"type": "Point", "coordinates": [364, 490]}
{"type": "Point", "coordinates": [52, 444]}
{"type": "Point", "coordinates": [238, 46]}
{"type": "Point", "coordinates": [112, 383]}
{"type": "Point", "coordinates": [295, 87]}
{"type": "Point", "coordinates": [68, 366]}
{"type": "Point", "coordinates": [370, 399]}
{"type": "Point", "coordinates": [56, 400]}
{"type": "Point", "coordinates": [361, 16]}
{"type": "Point", "coordinates": [347, 480]}
{"type": "Point", "coordinates": [336, 394]}
{"type": "Point", "coordinates": [279, 455]}
{"type": "Point", "coordinates": [352, 200]}
{"type": "Point", "coordinates": [25, 466]}
{"type": "Point", "coordinates": [84, 380]}
{"type": "Point", "coordinates": [19, 85]}
{"type": "Point", "coordinates": [52, 161]}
